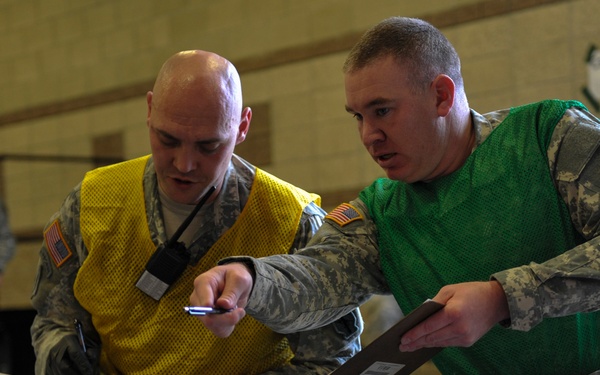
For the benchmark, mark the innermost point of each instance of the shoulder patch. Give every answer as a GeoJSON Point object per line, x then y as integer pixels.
{"type": "Point", "coordinates": [57, 247]}
{"type": "Point", "coordinates": [344, 214]}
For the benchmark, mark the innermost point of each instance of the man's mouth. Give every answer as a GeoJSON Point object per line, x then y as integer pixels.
{"type": "Point", "coordinates": [181, 181]}
{"type": "Point", "coordinates": [384, 157]}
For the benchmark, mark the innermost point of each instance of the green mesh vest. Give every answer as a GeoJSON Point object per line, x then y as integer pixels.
{"type": "Point", "coordinates": [499, 211]}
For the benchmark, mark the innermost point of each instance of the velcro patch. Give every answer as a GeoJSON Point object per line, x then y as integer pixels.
{"type": "Point", "coordinates": [344, 214]}
{"type": "Point", "coordinates": [56, 244]}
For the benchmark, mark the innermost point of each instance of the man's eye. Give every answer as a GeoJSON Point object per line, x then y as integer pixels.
{"type": "Point", "coordinates": [357, 116]}
{"type": "Point", "coordinates": [169, 142]}
{"type": "Point", "coordinates": [382, 111]}
{"type": "Point", "coordinates": [210, 147]}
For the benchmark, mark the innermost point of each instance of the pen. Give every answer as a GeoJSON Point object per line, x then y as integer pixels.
{"type": "Point", "coordinates": [79, 331]}
{"type": "Point", "coordinates": [198, 310]}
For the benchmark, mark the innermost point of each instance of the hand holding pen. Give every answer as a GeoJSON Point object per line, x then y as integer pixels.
{"type": "Point", "coordinates": [211, 289]}
{"type": "Point", "coordinates": [69, 356]}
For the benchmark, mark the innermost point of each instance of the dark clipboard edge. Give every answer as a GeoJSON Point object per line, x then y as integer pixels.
{"type": "Point", "coordinates": [385, 348]}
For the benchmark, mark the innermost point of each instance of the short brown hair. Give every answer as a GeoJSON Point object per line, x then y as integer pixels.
{"type": "Point", "coordinates": [414, 43]}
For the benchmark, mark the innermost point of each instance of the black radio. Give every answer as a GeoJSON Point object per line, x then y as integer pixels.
{"type": "Point", "coordinates": [168, 261]}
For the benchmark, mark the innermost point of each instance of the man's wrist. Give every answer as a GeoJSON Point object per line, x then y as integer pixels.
{"type": "Point", "coordinates": [503, 311]}
{"type": "Point", "coordinates": [246, 261]}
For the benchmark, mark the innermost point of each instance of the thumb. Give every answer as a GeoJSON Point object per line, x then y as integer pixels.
{"type": "Point", "coordinates": [237, 287]}
{"type": "Point", "coordinates": [444, 294]}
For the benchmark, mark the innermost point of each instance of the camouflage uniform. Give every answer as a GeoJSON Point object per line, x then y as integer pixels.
{"type": "Point", "coordinates": [7, 240]}
{"type": "Point", "coordinates": [343, 262]}
{"type": "Point", "coordinates": [316, 352]}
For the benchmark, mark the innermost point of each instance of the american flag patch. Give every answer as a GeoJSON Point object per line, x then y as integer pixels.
{"type": "Point", "coordinates": [344, 214]}
{"type": "Point", "coordinates": [57, 247]}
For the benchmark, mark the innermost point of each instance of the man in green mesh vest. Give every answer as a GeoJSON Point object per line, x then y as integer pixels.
{"type": "Point", "coordinates": [496, 216]}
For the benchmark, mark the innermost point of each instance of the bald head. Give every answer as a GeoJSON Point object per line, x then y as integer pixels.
{"type": "Point", "coordinates": [189, 77]}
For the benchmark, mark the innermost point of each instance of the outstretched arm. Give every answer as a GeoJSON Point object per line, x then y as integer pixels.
{"type": "Point", "coordinates": [333, 275]}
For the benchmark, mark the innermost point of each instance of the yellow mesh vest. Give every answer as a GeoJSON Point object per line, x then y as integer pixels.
{"type": "Point", "coordinates": [142, 336]}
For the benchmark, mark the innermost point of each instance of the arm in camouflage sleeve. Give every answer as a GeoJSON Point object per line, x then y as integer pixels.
{"type": "Point", "coordinates": [569, 283]}
{"type": "Point", "coordinates": [53, 296]}
{"type": "Point", "coordinates": [333, 275]}
{"type": "Point", "coordinates": [321, 350]}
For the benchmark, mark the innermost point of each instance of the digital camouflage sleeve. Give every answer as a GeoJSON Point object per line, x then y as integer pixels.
{"type": "Point", "coordinates": [569, 283]}
{"type": "Point", "coordinates": [53, 296]}
{"type": "Point", "coordinates": [337, 272]}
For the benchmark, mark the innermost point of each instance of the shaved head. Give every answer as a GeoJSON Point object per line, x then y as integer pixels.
{"type": "Point", "coordinates": [197, 75]}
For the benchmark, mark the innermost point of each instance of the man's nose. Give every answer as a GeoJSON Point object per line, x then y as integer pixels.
{"type": "Point", "coordinates": [184, 160]}
{"type": "Point", "coordinates": [370, 134]}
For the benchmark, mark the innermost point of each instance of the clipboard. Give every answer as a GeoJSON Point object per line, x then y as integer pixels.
{"type": "Point", "coordinates": [382, 356]}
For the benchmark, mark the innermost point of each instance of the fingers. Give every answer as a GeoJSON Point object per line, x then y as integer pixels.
{"type": "Point", "coordinates": [222, 325]}
{"type": "Point", "coordinates": [440, 330]}
{"type": "Point", "coordinates": [470, 311]}
{"type": "Point", "coordinates": [67, 357]}
{"type": "Point", "coordinates": [237, 287]}
{"type": "Point", "coordinates": [226, 287]}
{"type": "Point", "coordinates": [431, 330]}
{"type": "Point", "coordinates": [427, 333]}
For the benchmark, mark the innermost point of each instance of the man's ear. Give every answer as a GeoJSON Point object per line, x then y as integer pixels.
{"type": "Point", "coordinates": [444, 93]}
{"type": "Point", "coordinates": [149, 101]}
{"type": "Point", "coordinates": [244, 125]}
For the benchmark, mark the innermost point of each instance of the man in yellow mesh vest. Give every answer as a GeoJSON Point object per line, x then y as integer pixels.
{"type": "Point", "coordinates": [97, 312]}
